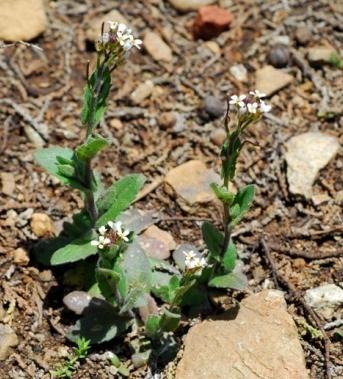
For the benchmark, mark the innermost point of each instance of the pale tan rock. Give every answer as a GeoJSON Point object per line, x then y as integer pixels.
{"type": "Point", "coordinates": [42, 225]}
{"type": "Point", "coordinates": [306, 154]}
{"type": "Point", "coordinates": [320, 54]}
{"type": "Point", "coordinates": [7, 183]}
{"type": "Point", "coordinates": [143, 91]}
{"type": "Point", "coordinates": [21, 257]}
{"type": "Point", "coordinates": [157, 242]}
{"type": "Point", "coordinates": [189, 5]}
{"type": "Point", "coordinates": [156, 47]}
{"type": "Point", "coordinates": [161, 235]}
{"type": "Point", "coordinates": [8, 339]}
{"type": "Point", "coordinates": [261, 342]}
{"type": "Point", "coordinates": [191, 181]}
{"type": "Point", "coordinates": [94, 29]}
{"type": "Point", "coordinates": [270, 80]}
{"type": "Point", "coordinates": [21, 20]}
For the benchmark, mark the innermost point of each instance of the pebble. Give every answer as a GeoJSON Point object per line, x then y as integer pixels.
{"type": "Point", "coordinates": [77, 301]}
{"type": "Point", "coordinates": [94, 29]}
{"type": "Point", "coordinates": [21, 257]}
{"type": "Point", "coordinates": [214, 107]}
{"type": "Point", "coordinates": [210, 21]}
{"type": "Point", "coordinates": [239, 72]}
{"type": "Point", "coordinates": [189, 5]}
{"type": "Point", "coordinates": [261, 341]}
{"type": "Point", "coordinates": [34, 137]}
{"type": "Point", "coordinates": [142, 92]}
{"type": "Point", "coordinates": [157, 48]}
{"type": "Point", "coordinates": [306, 155]}
{"type": "Point", "coordinates": [303, 35]}
{"type": "Point", "coordinates": [8, 339]}
{"type": "Point", "coordinates": [279, 56]}
{"type": "Point", "coordinates": [270, 80]}
{"type": "Point", "coordinates": [325, 299]}
{"type": "Point", "coordinates": [213, 47]}
{"type": "Point", "coordinates": [167, 120]}
{"type": "Point", "coordinates": [46, 276]}
{"type": "Point", "coordinates": [7, 183]}
{"type": "Point", "coordinates": [191, 181]}
{"type": "Point", "coordinates": [42, 225]}
{"type": "Point", "coordinates": [319, 55]}
{"type": "Point", "coordinates": [22, 20]}
{"type": "Point", "coordinates": [218, 136]}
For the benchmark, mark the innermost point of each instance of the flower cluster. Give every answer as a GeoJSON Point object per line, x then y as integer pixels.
{"type": "Point", "coordinates": [251, 103]}
{"type": "Point", "coordinates": [118, 39]}
{"type": "Point", "coordinates": [193, 262]}
{"type": "Point", "coordinates": [109, 234]}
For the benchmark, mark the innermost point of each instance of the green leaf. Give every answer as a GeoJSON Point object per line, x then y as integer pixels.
{"type": "Point", "coordinates": [152, 325]}
{"type": "Point", "coordinates": [66, 170]}
{"type": "Point", "coordinates": [222, 193]}
{"type": "Point", "coordinates": [169, 321]}
{"type": "Point", "coordinates": [230, 257]}
{"type": "Point", "coordinates": [118, 197]}
{"type": "Point", "coordinates": [89, 149]}
{"type": "Point", "coordinates": [78, 249]}
{"type": "Point", "coordinates": [233, 280]}
{"type": "Point", "coordinates": [241, 203]}
{"type": "Point", "coordinates": [108, 281]}
{"type": "Point", "coordinates": [213, 238]}
{"type": "Point", "coordinates": [87, 104]}
{"type": "Point", "coordinates": [47, 158]}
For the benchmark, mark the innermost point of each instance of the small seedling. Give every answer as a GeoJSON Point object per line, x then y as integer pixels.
{"type": "Point", "coordinates": [336, 61]}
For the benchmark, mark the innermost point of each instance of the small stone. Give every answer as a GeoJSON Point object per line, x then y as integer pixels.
{"type": "Point", "coordinates": [142, 92]}
{"type": "Point", "coordinates": [153, 247]}
{"type": "Point", "coordinates": [270, 80]}
{"type": "Point", "coordinates": [320, 55]}
{"type": "Point", "coordinates": [213, 106]}
{"type": "Point", "coordinates": [213, 47]}
{"type": "Point", "coordinates": [157, 48]}
{"type": "Point", "coordinates": [303, 35]}
{"type": "Point", "coordinates": [94, 29]}
{"type": "Point", "coordinates": [218, 136]}
{"type": "Point", "coordinates": [279, 56]}
{"type": "Point", "coordinates": [239, 72]}
{"type": "Point", "coordinates": [306, 155]}
{"type": "Point", "coordinates": [34, 137]}
{"type": "Point", "coordinates": [116, 124]}
{"type": "Point", "coordinates": [211, 20]}
{"type": "Point", "coordinates": [191, 181]}
{"type": "Point", "coordinates": [320, 198]}
{"type": "Point", "coordinates": [8, 183]}
{"type": "Point", "coordinates": [21, 257]}
{"type": "Point", "coordinates": [8, 339]}
{"type": "Point", "coordinates": [261, 341]}
{"type": "Point", "coordinates": [42, 225]}
{"type": "Point", "coordinates": [325, 299]}
{"type": "Point", "coordinates": [167, 120]}
{"type": "Point", "coordinates": [189, 5]}
{"type": "Point", "coordinates": [140, 359]}
{"type": "Point", "coordinates": [77, 301]}
{"type": "Point", "coordinates": [150, 308]}
{"type": "Point", "coordinates": [46, 276]}
{"type": "Point", "coordinates": [161, 235]}
{"type": "Point", "coordinates": [22, 20]}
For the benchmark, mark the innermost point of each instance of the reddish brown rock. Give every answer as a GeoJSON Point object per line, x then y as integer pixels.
{"type": "Point", "coordinates": [211, 21]}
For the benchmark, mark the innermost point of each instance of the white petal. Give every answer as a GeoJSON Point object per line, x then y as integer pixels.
{"type": "Point", "coordinates": [94, 243]}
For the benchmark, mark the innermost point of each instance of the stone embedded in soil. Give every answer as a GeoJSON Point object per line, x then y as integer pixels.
{"type": "Point", "coordinates": [320, 55]}
{"type": "Point", "coordinates": [213, 106]}
{"type": "Point", "coordinates": [21, 257]}
{"type": "Point", "coordinates": [94, 29]}
{"type": "Point", "coordinates": [261, 342]}
{"type": "Point", "coordinates": [211, 20]}
{"type": "Point", "coordinates": [157, 48]}
{"type": "Point", "coordinates": [189, 5]}
{"type": "Point", "coordinates": [143, 91]}
{"type": "Point", "coordinates": [42, 225]}
{"type": "Point", "coordinates": [191, 181]}
{"type": "Point", "coordinates": [21, 20]}
{"type": "Point", "coordinates": [157, 243]}
{"type": "Point", "coordinates": [306, 155]}
{"type": "Point", "coordinates": [270, 80]}
{"type": "Point", "coordinates": [167, 120]}
{"type": "Point", "coordinates": [218, 136]}
{"type": "Point", "coordinates": [325, 299]}
{"type": "Point", "coordinates": [239, 72]}
{"type": "Point", "coordinates": [8, 339]}
{"type": "Point", "coordinates": [77, 301]}
{"type": "Point", "coordinates": [7, 183]}
{"type": "Point", "coordinates": [303, 35]}
{"type": "Point", "coordinates": [279, 56]}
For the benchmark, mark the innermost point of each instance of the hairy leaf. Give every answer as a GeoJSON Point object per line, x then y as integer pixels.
{"type": "Point", "coordinates": [152, 325]}
{"type": "Point", "coordinates": [230, 257]}
{"type": "Point", "coordinates": [232, 280]}
{"type": "Point", "coordinates": [92, 146]}
{"type": "Point", "coordinates": [242, 201]}
{"type": "Point", "coordinates": [213, 238]}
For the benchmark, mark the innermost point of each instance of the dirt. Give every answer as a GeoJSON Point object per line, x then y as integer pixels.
{"type": "Point", "coordinates": [45, 87]}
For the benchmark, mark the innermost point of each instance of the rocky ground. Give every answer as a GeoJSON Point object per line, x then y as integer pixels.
{"type": "Point", "coordinates": [165, 120]}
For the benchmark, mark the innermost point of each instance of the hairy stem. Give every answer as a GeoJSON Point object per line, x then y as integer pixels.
{"type": "Point", "coordinates": [89, 200]}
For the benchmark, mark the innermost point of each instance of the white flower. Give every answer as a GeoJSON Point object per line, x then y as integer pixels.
{"type": "Point", "coordinates": [193, 262]}
{"type": "Point", "coordinates": [102, 230]}
{"type": "Point", "coordinates": [121, 34]}
{"type": "Point", "coordinates": [257, 94]}
{"type": "Point", "coordinates": [101, 242]}
{"type": "Point", "coordinates": [237, 100]}
{"type": "Point", "coordinates": [117, 227]}
{"type": "Point", "coordinates": [252, 107]}
{"type": "Point", "coordinates": [264, 107]}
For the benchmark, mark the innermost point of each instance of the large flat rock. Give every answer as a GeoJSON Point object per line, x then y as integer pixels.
{"type": "Point", "coordinates": [260, 343]}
